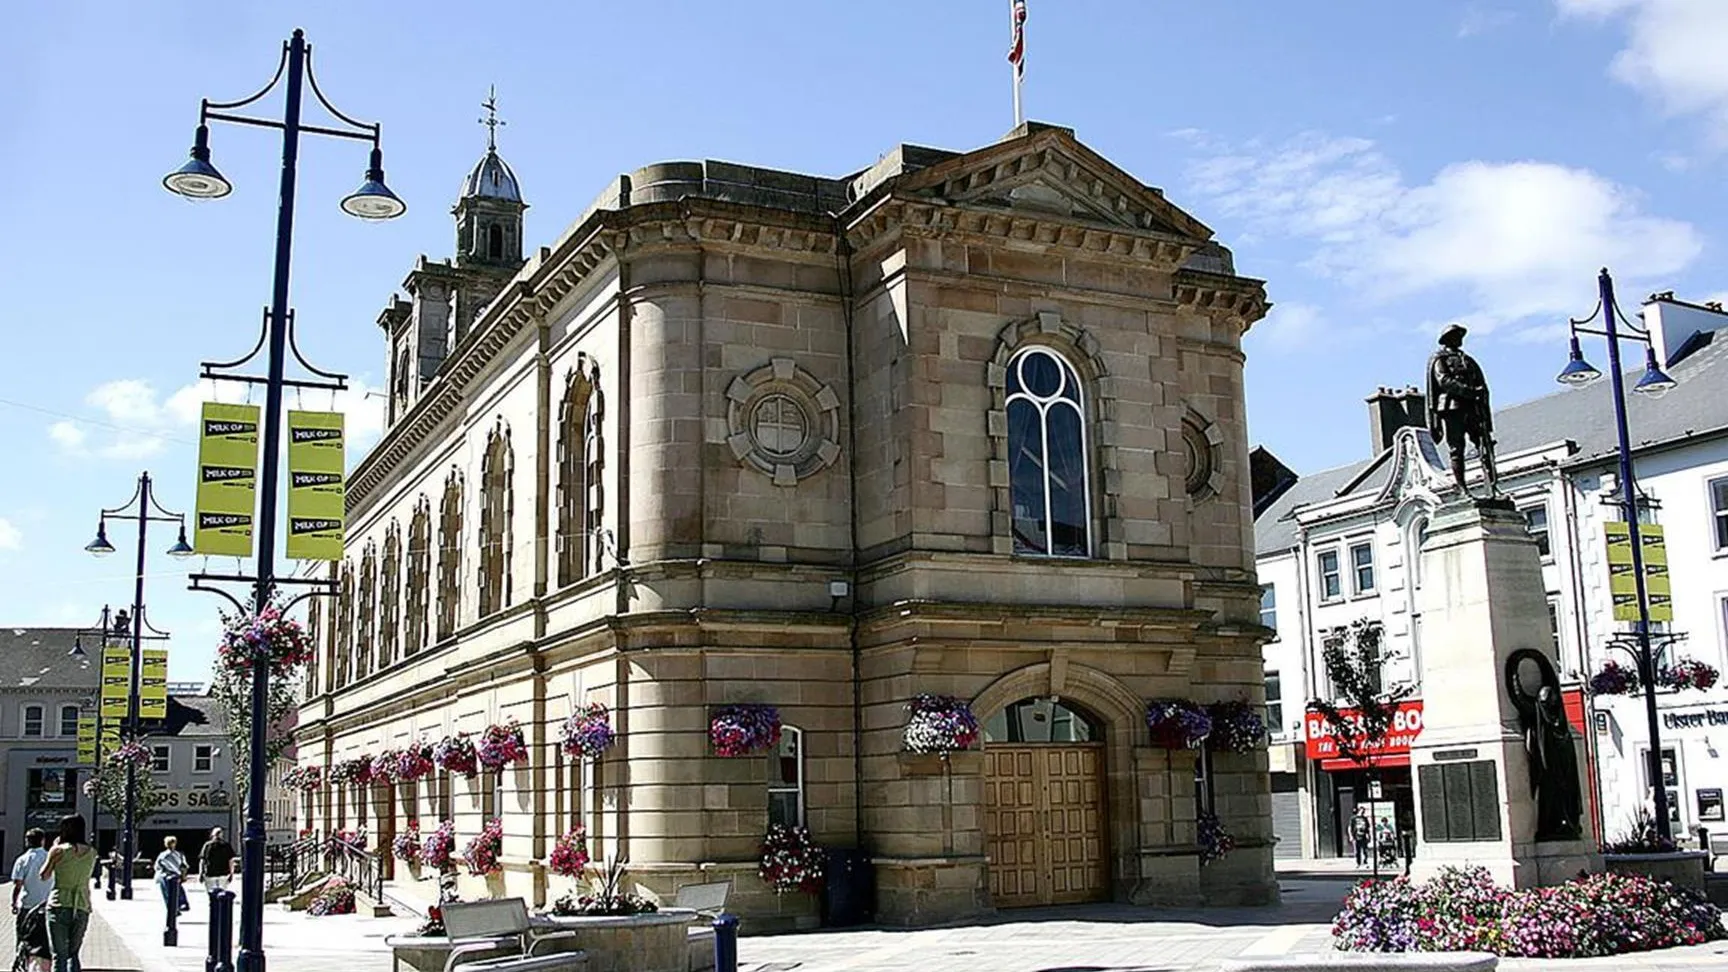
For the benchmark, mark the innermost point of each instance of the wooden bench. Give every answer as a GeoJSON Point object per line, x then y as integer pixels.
{"type": "Point", "coordinates": [708, 901]}
{"type": "Point", "coordinates": [480, 926]}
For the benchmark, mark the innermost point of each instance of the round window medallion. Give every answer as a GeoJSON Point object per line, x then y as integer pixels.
{"type": "Point", "coordinates": [1201, 459]}
{"type": "Point", "coordinates": [783, 421]}
{"type": "Point", "coordinates": [779, 426]}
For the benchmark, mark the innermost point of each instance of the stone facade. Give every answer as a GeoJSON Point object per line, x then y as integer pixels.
{"type": "Point", "coordinates": [743, 436]}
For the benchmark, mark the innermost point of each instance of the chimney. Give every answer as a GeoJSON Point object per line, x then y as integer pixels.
{"type": "Point", "coordinates": [1391, 409]}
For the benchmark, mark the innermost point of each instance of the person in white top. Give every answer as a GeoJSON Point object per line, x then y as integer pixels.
{"type": "Point", "coordinates": [29, 889]}
{"type": "Point", "coordinates": [172, 864]}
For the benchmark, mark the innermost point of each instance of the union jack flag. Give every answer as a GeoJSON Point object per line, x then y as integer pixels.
{"type": "Point", "coordinates": [1017, 53]}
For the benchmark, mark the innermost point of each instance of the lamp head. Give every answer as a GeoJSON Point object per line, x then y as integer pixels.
{"type": "Point", "coordinates": [1655, 382]}
{"type": "Point", "coordinates": [198, 179]}
{"type": "Point", "coordinates": [1577, 372]}
{"type": "Point", "coordinates": [374, 200]}
{"type": "Point", "coordinates": [100, 546]}
{"type": "Point", "coordinates": [181, 549]}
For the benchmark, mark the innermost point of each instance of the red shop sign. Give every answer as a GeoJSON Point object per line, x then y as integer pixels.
{"type": "Point", "coordinates": [1406, 726]}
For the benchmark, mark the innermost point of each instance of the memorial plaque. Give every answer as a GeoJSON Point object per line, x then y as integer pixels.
{"type": "Point", "coordinates": [1460, 801]}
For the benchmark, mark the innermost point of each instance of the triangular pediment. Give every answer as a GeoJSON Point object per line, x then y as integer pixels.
{"type": "Point", "coordinates": [1049, 173]}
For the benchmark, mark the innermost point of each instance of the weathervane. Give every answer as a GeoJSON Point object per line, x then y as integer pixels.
{"type": "Point", "coordinates": [491, 121]}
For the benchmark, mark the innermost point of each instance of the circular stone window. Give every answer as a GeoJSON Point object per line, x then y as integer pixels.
{"type": "Point", "coordinates": [783, 421]}
{"type": "Point", "coordinates": [1200, 450]}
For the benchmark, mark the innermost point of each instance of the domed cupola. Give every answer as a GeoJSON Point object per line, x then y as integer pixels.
{"type": "Point", "coordinates": [489, 212]}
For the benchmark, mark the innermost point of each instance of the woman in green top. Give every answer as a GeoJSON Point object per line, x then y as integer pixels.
{"type": "Point", "coordinates": [69, 865]}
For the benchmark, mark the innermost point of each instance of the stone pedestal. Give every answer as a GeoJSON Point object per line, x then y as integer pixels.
{"type": "Point", "coordinates": [1482, 599]}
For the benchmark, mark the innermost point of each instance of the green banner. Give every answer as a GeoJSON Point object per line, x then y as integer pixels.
{"type": "Point", "coordinates": [1623, 585]}
{"type": "Point", "coordinates": [153, 685]}
{"type": "Point", "coordinates": [227, 480]}
{"type": "Point", "coordinates": [116, 681]}
{"type": "Point", "coordinates": [316, 487]}
{"type": "Point", "coordinates": [86, 740]}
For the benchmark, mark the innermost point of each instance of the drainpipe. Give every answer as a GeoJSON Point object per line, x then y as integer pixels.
{"type": "Point", "coordinates": [843, 264]}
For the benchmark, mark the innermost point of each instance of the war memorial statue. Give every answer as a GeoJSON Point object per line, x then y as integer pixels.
{"type": "Point", "coordinates": [1458, 408]}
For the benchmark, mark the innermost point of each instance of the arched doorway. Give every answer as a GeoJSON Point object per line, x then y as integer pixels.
{"type": "Point", "coordinates": [1044, 805]}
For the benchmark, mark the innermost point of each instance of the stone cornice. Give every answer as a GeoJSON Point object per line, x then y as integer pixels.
{"type": "Point", "coordinates": [924, 218]}
{"type": "Point", "coordinates": [1241, 300]}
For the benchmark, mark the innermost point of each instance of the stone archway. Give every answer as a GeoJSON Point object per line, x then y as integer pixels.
{"type": "Point", "coordinates": [1060, 814]}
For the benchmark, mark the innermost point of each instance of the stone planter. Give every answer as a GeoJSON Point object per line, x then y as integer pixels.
{"type": "Point", "coordinates": [1682, 868]}
{"type": "Point", "coordinates": [416, 954]}
{"type": "Point", "coordinates": [656, 942]}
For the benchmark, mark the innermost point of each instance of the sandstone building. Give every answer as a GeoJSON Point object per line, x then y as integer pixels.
{"type": "Point", "coordinates": [958, 423]}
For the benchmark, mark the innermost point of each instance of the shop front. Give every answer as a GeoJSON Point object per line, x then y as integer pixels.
{"type": "Point", "coordinates": [1377, 781]}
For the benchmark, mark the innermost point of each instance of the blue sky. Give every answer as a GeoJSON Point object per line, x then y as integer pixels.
{"type": "Point", "coordinates": [1386, 167]}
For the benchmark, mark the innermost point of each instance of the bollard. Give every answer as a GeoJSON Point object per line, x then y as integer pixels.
{"type": "Point", "coordinates": [220, 957]}
{"type": "Point", "coordinates": [726, 943]}
{"type": "Point", "coordinates": [111, 870]}
{"type": "Point", "coordinates": [171, 898]}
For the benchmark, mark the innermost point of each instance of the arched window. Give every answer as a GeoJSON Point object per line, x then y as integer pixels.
{"type": "Point", "coordinates": [69, 721]}
{"type": "Point", "coordinates": [1041, 720]}
{"type": "Point", "coordinates": [419, 565]}
{"type": "Point", "coordinates": [495, 241]}
{"type": "Point", "coordinates": [404, 380]}
{"type": "Point", "coordinates": [577, 437]}
{"type": "Point", "coordinates": [342, 661]}
{"type": "Point", "coordinates": [367, 635]}
{"type": "Point", "coordinates": [390, 596]}
{"type": "Point", "coordinates": [496, 505]}
{"type": "Point", "coordinates": [1047, 469]}
{"type": "Point", "coordinates": [786, 779]}
{"type": "Point", "coordinates": [1418, 534]}
{"type": "Point", "coordinates": [449, 555]}
{"type": "Point", "coordinates": [32, 720]}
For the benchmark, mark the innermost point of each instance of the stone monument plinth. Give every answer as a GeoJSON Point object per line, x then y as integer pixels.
{"type": "Point", "coordinates": [1483, 600]}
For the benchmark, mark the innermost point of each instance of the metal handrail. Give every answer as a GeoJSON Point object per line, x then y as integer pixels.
{"type": "Point", "coordinates": [357, 865]}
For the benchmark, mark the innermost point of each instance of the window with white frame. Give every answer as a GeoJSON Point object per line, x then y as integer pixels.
{"type": "Point", "coordinates": [1362, 567]}
{"type": "Point", "coordinates": [1719, 511]}
{"type": "Point", "coordinates": [203, 758]}
{"type": "Point", "coordinates": [1048, 481]}
{"type": "Point", "coordinates": [1274, 703]}
{"type": "Point", "coordinates": [1269, 606]}
{"type": "Point", "coordinates": [1537, 519]}
{"type": "Point", "coordinates": [32, 720]}
{"type": "Point", "coordinates": [1554, 625]}
{"type": "Point", "coordinates": [1418, 534]}
{"type": "Point", "coordinates": [786, 779]}
{"type": "Point", "coordinates": [158, 759]}
{"type": "Point", "coordinates": [69, 720]}
{"type": "Point", "coordinates": [1331, 578]}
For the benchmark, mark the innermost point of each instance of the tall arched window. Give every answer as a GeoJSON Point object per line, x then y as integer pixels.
{"type": "Point", "coordinates": [495, 242]}
{"type": "Point", "coordinates": [449, 555]}
{"type": "Point", "coordinates": [367, 633]}
{"type": "Point", "coordinates": [390, 596]}
{"type": "Point", "coordinates": [577, 434]}
{"type": "Point", "coordinates": [419, 566]}
{"type": "Point", "coordinates": [1047, 470]}
{"type": "Point", "coordinates": [342, 663]}
{"type": "Point", "coordinates": [496, 505]}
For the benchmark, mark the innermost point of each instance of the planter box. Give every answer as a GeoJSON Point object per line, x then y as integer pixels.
{"type": "Point", "coordinates": [656, 942]}
{"type": "Point", "coordinates": [1682, 868]}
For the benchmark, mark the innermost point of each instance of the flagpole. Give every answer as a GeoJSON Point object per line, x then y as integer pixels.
{"type": "Point", "coordinates": [1017, 53]}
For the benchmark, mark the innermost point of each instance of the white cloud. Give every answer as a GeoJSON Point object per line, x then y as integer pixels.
{"type": "Point", "coordinates": [1514, 240]}
{"type": "Point", "coordinates": [1288, 325]}
{"type": "Point", "coordinates": [1673, 53]}
{"type": "Point", "coordinates": [68, 436]}
{"type": "Point", "coordinates": [10, 536]}
{"type": "Point", "coordinates": [1480, 19]}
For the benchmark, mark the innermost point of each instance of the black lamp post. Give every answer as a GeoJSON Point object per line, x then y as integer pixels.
{"type": "Point", "coordinates": [199, 179]}
{"type": "Point", "coordinates": [148, 511]}
{"type": "Point", "coordinates": [1654, 383]}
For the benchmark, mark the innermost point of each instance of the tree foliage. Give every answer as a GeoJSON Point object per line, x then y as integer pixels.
{"type": "Point", "coordinates": [233, 691]}
{"type": "Point", "coordinates": [109, 786]}
{"type": "Point", "coordinates": [1360, 713]}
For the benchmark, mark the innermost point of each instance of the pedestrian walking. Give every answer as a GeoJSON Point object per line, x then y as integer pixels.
{"type": "Point", "coordinates": [1360, 833]}
{"type": "Point", "coordinates": [172, 864]}
{"type": "Point", "coordinates": [29, 896]}
{"type": "Point", "coordinates": [69, 865]}
{"type": "Point", "coordinates": [215, 861]}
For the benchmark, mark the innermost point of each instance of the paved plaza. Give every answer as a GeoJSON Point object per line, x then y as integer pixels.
{"type": "Point", "coordinates": [126, 936]}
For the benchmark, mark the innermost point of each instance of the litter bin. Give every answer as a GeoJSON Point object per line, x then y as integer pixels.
{"type": "Point", "coordinates": [848, 888]}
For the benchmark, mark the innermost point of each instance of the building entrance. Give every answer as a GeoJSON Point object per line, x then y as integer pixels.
{"type": "Point", "coordinates": [1044, 811]}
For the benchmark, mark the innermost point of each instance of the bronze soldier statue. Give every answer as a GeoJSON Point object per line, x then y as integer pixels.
{"type": "Point", "coordinates": [1458, 407]}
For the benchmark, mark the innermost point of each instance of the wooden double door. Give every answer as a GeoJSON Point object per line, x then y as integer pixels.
{"type": "Point", "coordinates": [1044, 824]}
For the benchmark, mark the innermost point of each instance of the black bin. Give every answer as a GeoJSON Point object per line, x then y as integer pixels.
{"type": "Point", "coordinates": [848, 888]}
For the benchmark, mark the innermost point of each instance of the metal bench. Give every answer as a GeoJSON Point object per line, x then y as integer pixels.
{"type": "Point", "coordinates": [479, 926]}
{"type": "Point", "coordinates": [708, 901]}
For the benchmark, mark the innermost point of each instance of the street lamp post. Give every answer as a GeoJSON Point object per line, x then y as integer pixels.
{"type": "Point", "coordinates": [199, 179]}
{"type": "Point", "coordinates": [145, 500]}
{"type": "Point", "coordinates": [1654, 383]}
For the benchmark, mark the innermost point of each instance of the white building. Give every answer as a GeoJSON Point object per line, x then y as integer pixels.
{"type": "Point", "coordinates": [1340, 545]}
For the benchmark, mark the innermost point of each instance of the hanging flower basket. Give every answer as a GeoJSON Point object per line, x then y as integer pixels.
{"type": "Point", "coordinates": [456, 754]}
{"type": "Point", "coordinates": [413, 763]}
{"type": "Point", "coordinates": [131, 753]}
{"type": "Point", "coordinates": [570, 854]}
{"type": "Point", "coordinates": [267, 634]}
{"type": "Point", "coordinates": [1177, 723]}
{"type": "Point", "coordinates": [791, 861]}
{"type": "Point", "coordinates": [382, 767]}
{"type": "Point", "coordinates": [588, 732]}
{"type": "Point", "coordinates": [501, 746]}
{"type": "Point", "coordinates": [439, 845]}
{"type": "Point", "coordinates": [1236, 727]}
{"type": "Point", "coordinates": [481, 854]}
{"type": "Point", "coordinates": [1214, 840]}
{"type": "Point", "coordinates": [1614, 679]}
{"type": "Point", "coordinates": [939, 724]}
{"type": "Point", "coordinates": [360, 771]}
{"type": "Point", "coordinates": [406, 846]}
{"type": "Point", "coordinates": [739, 730]}
{"type": "Point", "coordinates": [1688, 673]}
{"type": "Point", "coordinates": [303, 778]}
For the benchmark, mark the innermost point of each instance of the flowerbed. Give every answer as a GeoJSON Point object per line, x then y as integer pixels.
{"type": "Point", "coordinates": [337, 898]}
{"type": "Point", "coordinates": [483, 851]}
{"type": "Point", "coordinates": [939, 724]}
{"type": "Point", "coordinates": [1595, 915]}
{"type": "Point", "coordinates": [739, 730]}
{"type": "Point", "coordinates": [791, 861]}
{"type": "Point", "coordinates": [588, 732]}
{"type": "Point", "coordinates": [502, 746]}
{"type": "Point", "coordinates": [1236, 727]}
{"type": "Point", "coordinates": [1177, 723]}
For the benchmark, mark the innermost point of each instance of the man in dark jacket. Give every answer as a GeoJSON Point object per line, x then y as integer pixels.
{"type": "Point", "coordinates": [215, 861]}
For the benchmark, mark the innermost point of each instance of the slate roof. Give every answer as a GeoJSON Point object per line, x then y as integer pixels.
{"type": "Point", "coordinates": [193, 715]}
{"type": "Point", "coordinates": [1697, 405]}
{"type": "Point", "coordinates": [42, 658]}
